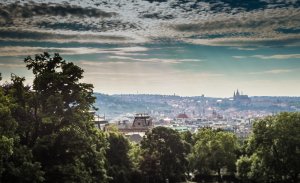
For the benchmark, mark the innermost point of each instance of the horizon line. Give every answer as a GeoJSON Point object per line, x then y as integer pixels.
{"type": "Point", "coordinates": [97, 92]}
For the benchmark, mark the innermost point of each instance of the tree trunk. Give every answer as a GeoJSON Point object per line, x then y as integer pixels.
{"type": "Point", "coordinates": [219, 175]}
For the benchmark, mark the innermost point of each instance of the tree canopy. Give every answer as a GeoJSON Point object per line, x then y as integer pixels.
{"type": "Point", "coordinates": [213, 152]}
{"type": "Point", "coordinates": [119, 164]}
{"type": "Point", "coordinates": [48, 121]}
{"type": "Point", "coordinates": [273, 151]}
{"type": "Point", "coordinates": [164, 155]}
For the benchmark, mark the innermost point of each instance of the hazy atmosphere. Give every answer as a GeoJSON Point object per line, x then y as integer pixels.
{"type": "Point", "coordinates": [161, 47]}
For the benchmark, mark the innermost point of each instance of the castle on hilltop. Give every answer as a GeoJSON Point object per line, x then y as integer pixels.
{"type": "Point", "coordinates": [239, 97]}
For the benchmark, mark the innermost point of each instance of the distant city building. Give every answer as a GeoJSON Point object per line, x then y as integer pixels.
{"type": "Point", "coordinates": [182, 116]}
{"type": "Point", "coordinates": [134, 130]}
{"type": "Point", "coordinates": [142, 121]}
{"type": "Point", "coordinates": [239, 97]}
{"type": "Point", "coordinates": [141, 124]}
{"type": "Point", "coordinates": [188, 113]}
{"type": "Point", "coordinates": [98, 120]}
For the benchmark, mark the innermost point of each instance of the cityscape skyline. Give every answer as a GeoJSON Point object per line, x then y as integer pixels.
{"type": "Point", "coordinates": [188, 48]}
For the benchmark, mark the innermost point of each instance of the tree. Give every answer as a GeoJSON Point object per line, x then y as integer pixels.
{"type": "Point", "coordinates": [16, 160]}
{"type": "Point", "coordinates": [119, 164]}
{"type": "Point", "coordinates": [163, 154]}
{"type": "Point", "coordinates": [187, 136]}
{"type": "Point", "coordinates": [7, 131]}
{"type": "Point", "coordinates": [46, 130]}
{"type": "Point", "coordinates": [213, 152]}
{"type": "Point", "coordinates": [65, 140]}
{"type": "Point", "coordinates": [135, 155]}
{"type": "Point", "coordinates": [273, 152]}
{"type": "Point", "coordinates": [62, 99]}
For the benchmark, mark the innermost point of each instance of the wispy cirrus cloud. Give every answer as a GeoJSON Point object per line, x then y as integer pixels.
{"type": "Point", "coordinates": [273, 71]}
{"type": "Point", "coordinates": [131, 49]}
{"type": "Point", "coordinates": [8, 65]}
{"type": "Point", "coordinates": [27, 50]}
{"type": "Point", "coordinates": [255, 41]}
{"type": "Point", "coordinates": [245, 48]}
{"type": "Point", "coordinates": [20, 35]}
{"type": "Point", "coordinates": [239, 57]}
{"type": "Point", "coordinates": [282, 56]}
{"type": "Point", "coordinates": [267, 57]}
{"type": "Point", "coordinates": [158, 60]}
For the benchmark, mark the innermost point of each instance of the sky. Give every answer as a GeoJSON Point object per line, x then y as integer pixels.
{"type": "Point", "coordinates": [182, 47]}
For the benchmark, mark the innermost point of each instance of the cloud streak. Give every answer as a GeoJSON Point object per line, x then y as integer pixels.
{"type": "Point", "coordinates": [274, 71]}
{"type": "Point", "coordinates": [10, 12]}
{"type": "Point", "coordinates": [281, 57]}
{"type": "Point", "coordinates": [271, 57]}
{"type": "Point", "coordinates": [157, 60]}
{"type": "Point", "coordinates": [2, 65]}
{"type": "Point", "coordinates": [26, 50]}
{"type": "Point", "coordinates": [42, 36]}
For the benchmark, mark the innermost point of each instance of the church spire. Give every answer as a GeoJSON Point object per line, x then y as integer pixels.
{"type": "Point", "coordinates": [237, 92]}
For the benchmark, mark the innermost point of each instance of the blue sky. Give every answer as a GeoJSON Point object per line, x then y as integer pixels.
{"type": "Point", "coordinates": [186, 47]}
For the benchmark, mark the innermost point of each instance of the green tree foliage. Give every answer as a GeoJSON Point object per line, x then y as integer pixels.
{"type": "Point", "coordinates": [164, 156]}
{"type": "Point", "coordinates": [273, 152]}
{"type": "Point", "coordinates": [65, 134]}
{"type": "Point", "coordinates": [7, 131]}
{"type": "Point", "coordinates": [187, 136]}
{"type": "Point", "coordinates": [135, 154]}
{"type": "Point", "coordinates": [16, 160]}
{"type": "Point", "coordinates": [213, 152]}
{"type": "Point", "coordinates": [53, 125]}
{"type": "Point", "coordinates": [119, 162]}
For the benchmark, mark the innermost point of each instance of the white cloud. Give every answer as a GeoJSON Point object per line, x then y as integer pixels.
{"type": "Point", "coordinates": [26, 50]}
{"type": "Point", "coordinates": [100, 64]}
{"type": "Point", "coordinates": [239, 57]}
{"type": "Point", "coordinates": [266, 57]}
{"type": "Point", "coordinates": [274, 71]}
{"type": "Point", "coordinates": [120, 57]}
{"type": "Point", "coordinates": [158, 60]}
{"type": "Point", "coordinates": [190, 60]}
{"type": "Point", "coordinates": [268, 41]}
{"type": "Point", "coordinates": [246, 49]}
{"type": "Point", "coordinates": [282, 56]}
{"type": "Point", "coordinates": [278, 71]}
{"type": "Point", "coordinates": [6, 65]}
{"type": "Point", "coordinates": [132, 49]}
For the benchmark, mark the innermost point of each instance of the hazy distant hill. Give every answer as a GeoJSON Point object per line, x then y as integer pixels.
{"type": "Point", "coordinates": [116, 105]}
